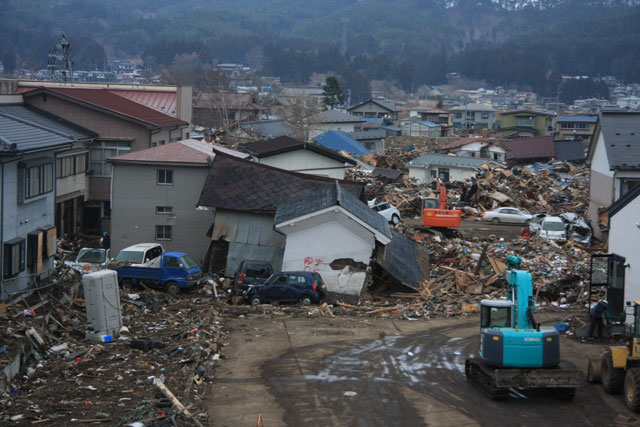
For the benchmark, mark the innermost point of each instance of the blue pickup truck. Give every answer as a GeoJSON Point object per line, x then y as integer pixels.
{"type": "Point", "coordinates": [172, 270]}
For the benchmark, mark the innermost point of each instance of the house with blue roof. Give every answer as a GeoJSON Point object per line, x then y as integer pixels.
{"type": "Point", "coordinates": [421, 128]}
{"type": "Point", "coordinates": [579, 127]}
{"type": "Point", "coordinates": [341, 141]}
{"type": "Point", "coordinates": [428, 167]}
{"type": "Point", "coordinates": [31, 146]}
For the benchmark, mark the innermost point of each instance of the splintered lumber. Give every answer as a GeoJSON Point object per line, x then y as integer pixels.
{"type": "Point", "coordinates": [344, 305]}
{"type": "Point", "coordinates": [383, 310]}
{"type": "Point", "coordinates": [163, 388]}
{"type": "Point", "coordinates": [498, 265]}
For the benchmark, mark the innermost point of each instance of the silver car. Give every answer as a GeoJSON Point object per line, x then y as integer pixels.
{"type": "Point", "coordinates": [388, 211]}
{"type": "Point", "coordinates": [510, 215]}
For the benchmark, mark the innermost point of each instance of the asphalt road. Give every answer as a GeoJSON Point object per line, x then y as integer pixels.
{"type": "Point", "coordinates": [377, 372]}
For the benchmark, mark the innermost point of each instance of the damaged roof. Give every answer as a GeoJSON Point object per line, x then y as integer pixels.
{"type": "Point", "coordinates": [285, 144]}
{"type": "Point", "coordinates": [327, 197]}
{"type": "Point", "coordinates": [341, 141]}
{"type": "Point", "coordinates": [405, 260]}
{"type": "Point", "coordinates": [243, 185]}
{"type": "Point", "coordinates": [426, 160]}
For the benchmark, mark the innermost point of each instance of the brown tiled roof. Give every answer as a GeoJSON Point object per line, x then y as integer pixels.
{"type": "Point", "coordinates": [242, 185]}
{"type": "Point", "coordinates": [285, 144]}
{"type": "Point", "coordinates": [110, 101]}
{"type": "Point", "coordinates": [530, 148]}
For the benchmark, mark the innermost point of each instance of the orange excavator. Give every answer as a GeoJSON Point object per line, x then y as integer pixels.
{"type": "Point", "coordinates": [435, 211]}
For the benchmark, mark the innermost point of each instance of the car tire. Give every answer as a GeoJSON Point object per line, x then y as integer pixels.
{"type": "Point", "coordinates": [306, 300]}
{"type": "Point", "coordinates": [495, 221]}
{"type": "Point", "coordinates": [172, 288]}
{"type": "Point", "coordinates": [255, 300]}
{"type": "Point", "coordinates": [395, 219]}
{"type": "Point", "coordinates": [126, 284]}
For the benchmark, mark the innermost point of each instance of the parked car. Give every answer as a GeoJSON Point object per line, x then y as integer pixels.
{"type": "Point", "coordinates": [507, 215]}
{"type": "Point", "coordinates": [289, 286]}
{"type": "Point", "coordinates": [388, 211]}
{"type": "Point", "coordinates": [549, 227]}
{"type": "Point", "coordinates": [90, 260]}
{"type": "Point", "coordinates": [138, 254]}
{"type": "Point", "coordinates": [251, 272]}
{"type": "Point", "coordinates": [172, 270]}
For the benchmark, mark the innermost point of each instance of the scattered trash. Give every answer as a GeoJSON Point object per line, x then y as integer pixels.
{"type": "Point", "coordinates": [350, 393]}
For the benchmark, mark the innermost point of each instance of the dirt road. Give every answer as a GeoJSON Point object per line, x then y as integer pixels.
{"type": "Point", "coordinates": [381, 372]}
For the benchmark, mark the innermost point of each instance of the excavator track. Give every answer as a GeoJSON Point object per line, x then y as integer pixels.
{"type": "Point", "coordinates": [483, 380]}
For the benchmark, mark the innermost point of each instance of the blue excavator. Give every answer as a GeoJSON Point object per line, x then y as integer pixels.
{"type": "Point", "coordinates": [515, 351]}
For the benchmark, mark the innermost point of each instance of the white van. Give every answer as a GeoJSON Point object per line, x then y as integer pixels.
{"type": "Point", "coordinates": [553, 228]}
{"type": "Point", "coordinates": [139, 254]}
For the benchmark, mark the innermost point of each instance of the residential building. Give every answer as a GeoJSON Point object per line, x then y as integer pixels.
{"type": "Point", "coordinates": [162, 205]}
{"type": "Point", "coordinates": [305, 97]}
{"type": "Point", "coordinates": [244, 195]}
{"type": "Point", "coordinates": [341, 141]}
{"type": "Point", "coordinates": [330, 226]}
{"type": "Point", "coordinates": [333, 120]}
{"type": "Point", "coordinates": [624, 234]}
{"type": "Point", "coordinates": [525, 124]}
{"type": "Point", "coordinates": [28, 170]}
{"type": "Point", "coordinates": [122, 126]}
{"type": "Point", "coordinates": [263, 129]}
{"type": "Point", "coordinates": [631, 102]}
{"type": "Point", "coordinates": [429, 167]}
{"type": "Point", "coordinates": [473, 116]}
{"type": "Point", "coordinates": [298, 156]}
{"type": "Point", "coordinates": [222, 109]}
{"type": "Point", "coordinates": [483, 148]}
{"type": "Point", "coordinates": [371, 139]}
{"type": "Point", "coordinates": [72, 166]}
{"type": "Point", "coordinates": [421, 128]}
{"type": "Point", "coordinates": [614, 158]}
{"type": "Point", "coordinates": [444, 118]}
{"type": "Point", "coordinates": [374, 108]}
{"type": "Point", "coordinates": [526, 150]}
{"type": "Point", "coordinates": [576, 127]}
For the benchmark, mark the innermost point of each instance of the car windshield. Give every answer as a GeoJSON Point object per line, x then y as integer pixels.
{"type": "Point", "coordinates": [129, 256]}
{"type": "Point", "coordinates": [188, 262]}
{"type": "Point", "coordinates": [92, 255]}
{"type": "Point", "coordinates": [276, 279]}
{"type": "Point", "coordinates": [553, 226]}
{"type": "Point", "coordinates": [258, 270]}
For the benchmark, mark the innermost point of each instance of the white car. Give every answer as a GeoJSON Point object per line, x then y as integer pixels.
{"type": "Point", "coordinates": [90, 260]}
{"type": "Point", "coordinates": [388, 211]}
{"type": "Point", "coordinates": [552, 228]}
{"type": "Point", "coordinates": [138, 254]}
{"type": "Point", "coordinates": [511, 215]}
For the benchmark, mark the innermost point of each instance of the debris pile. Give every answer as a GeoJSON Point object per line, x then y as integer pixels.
{"type": "Point", "coordinates": [156, 370]}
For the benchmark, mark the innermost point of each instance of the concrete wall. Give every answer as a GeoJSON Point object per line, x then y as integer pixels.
{"type": "Point", "coordinates": [20, 218]}
{"type": "Point", "coordinates": [135, 197]}
{"type": "Point", "coordinates": [306, 161]}
{"type": "Point", "coordinates": [313, 244]}
{"type": "Point", "coordinates": [624, 235]}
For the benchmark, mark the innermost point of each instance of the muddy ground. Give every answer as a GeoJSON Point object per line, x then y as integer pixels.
{"type": "Point", "coordinates": [355, 371]}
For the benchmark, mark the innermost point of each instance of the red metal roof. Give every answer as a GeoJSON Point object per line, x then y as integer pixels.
{"type": "Point", "coordinates": [530, 148]}
{"type": "Point", "coordinates": [113, 102]}
{"type": "Point", "coordinates": [165, 102]}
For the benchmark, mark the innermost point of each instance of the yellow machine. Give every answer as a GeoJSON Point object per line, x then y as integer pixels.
{"type": "Point", "coordinates": [619, 367]}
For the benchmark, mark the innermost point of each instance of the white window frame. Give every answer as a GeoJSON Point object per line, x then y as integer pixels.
{"type": "Point", "coordinates": [164, 210]}
{"type": "Point", "coordinates": [38, 180]}
{"type": "Point", "coordinates": [100, 151]}
{"type": "Point", "coordinates": [162, 177]}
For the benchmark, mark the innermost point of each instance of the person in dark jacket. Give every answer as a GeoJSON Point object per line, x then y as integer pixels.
{"type": "Point", "coordinates": [597, 315]}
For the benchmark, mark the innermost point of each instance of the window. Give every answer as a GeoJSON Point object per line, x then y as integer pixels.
{"type": "Point", "coordinates": [71, 165]}
{"type": "Point", "coordinates": [186, 135]}
{"type": "Point", "coordinates": [163, 232]}
{"type": "Point", "coordinates": [161, 142]}
{"type": "Point", "coordinates": [171, 262]}
{"type": "Point", "coordinates": [443, 174]}
{"type": "Point", "coordinates": [297, 281]}
{"type": "Point", "coordinates": [484, 115]}
{"type": "Point", "coordinates": [165, 177]}
{"type": "Point", "coordinates": [434, 174]}
{"type": "Point", "coordinates": [458, 115]}
{"type": "Point", "coordinates": [38, 180]}
{"type": "Point", "coordinates": [100, 151]}
{"type": "Point", "coordinates": [13, 257]}
{"type": "Point", "coordinates": [164, 210]}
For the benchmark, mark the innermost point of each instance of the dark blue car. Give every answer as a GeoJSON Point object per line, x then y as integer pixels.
{"type": "Point", "coordinates": [289, 286]}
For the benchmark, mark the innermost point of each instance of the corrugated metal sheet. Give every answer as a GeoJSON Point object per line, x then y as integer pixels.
{"type": "Point", "coordinates": [164, 102]}
{"type": "Point", "coordinates": [245, 227]}
{"type": "Point", "coordinates": [530, 148]}
{"type": "Point", "coordinates": [569, 150]}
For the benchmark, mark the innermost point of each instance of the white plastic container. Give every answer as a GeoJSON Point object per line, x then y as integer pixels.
{"type": "Point", "coordinates": [102, 298]}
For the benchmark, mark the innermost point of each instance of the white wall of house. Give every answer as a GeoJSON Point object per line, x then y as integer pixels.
{"type": "Point", "coordinates": [316, 129]}
{"type": "Point", "coordinates": [473, 150]}
{"type": "Point", "coordinates": [601, 185]}
{"type": "Point", "coordinates": [306, 161]}
{"type": "Point", "coordinates": [314, 243]}
{"type": "Point", "coordinates": [424, 175]}
{"type": "Point", "coordinates": [418, 129]}
{"type": "Point", "coordinates": [624, 234]}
